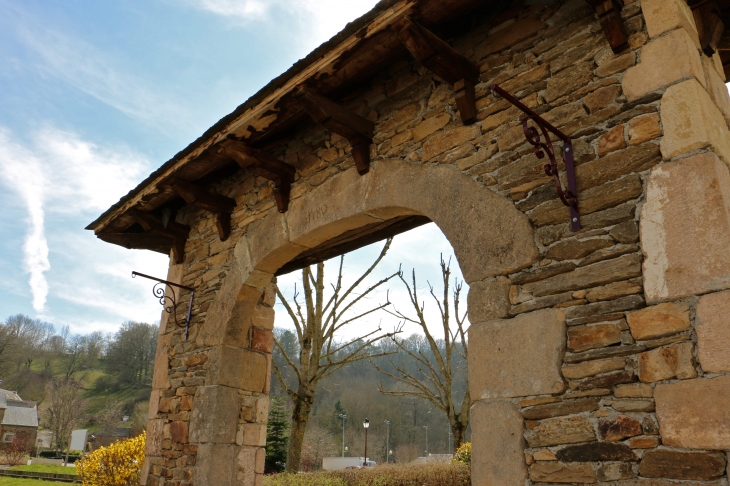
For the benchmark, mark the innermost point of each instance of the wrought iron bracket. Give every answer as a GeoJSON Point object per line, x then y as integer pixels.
{"type": "Point", "coordinates": [161, 293]}
{"type": "Point", "coordinates": [569, 197]}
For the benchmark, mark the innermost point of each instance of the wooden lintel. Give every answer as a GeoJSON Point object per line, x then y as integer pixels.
{"type": "Point", "coordinates": [221, 206]}
{"type": "Point", "coordinates": [710, 27]}
{"type": "Point", "coordinates": [281, 173]}
{"type": "Point", "coordinates": [444, 61]}
{"type": "Point", "coordinates": [176, 233]}
{"type": "Point", "coordinates": [341, 121]}
{"type": "Point", "coordinates": [609, 14]}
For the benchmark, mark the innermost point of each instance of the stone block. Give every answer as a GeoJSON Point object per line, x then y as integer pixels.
{"type": "Point", "coordinates": [155, 436]}
{"type": "Point", "coordinates": [547, 472]}
{"type": "Point", "coordinates": [162, 363]}
{"type": "Point", "coordinates": [568, 81]}
{"type": "Point", "coordinates": [431, 191]}
{"type": "Point", "coordinates": [506, 38]}
{"type": "Point", "coordinates": [601, 273]}
{"type": "Point", "coordinates": [692, 121]}
{"type": "Point", "coordinates": [685, 228]}
{"type": "Point", "coordinates": [429, 126]}
{"type": "Point", "coordinates": [665, 15]}
{"type": "Point", "coordinates": [489, 300]}
{"type": "Point", "coordinates": [611, 141]}
{"type": "Point", "coordinates": [716, 88]}
{"type": "Point", "coordinates": [575, 249]}
{"type": "Point", "coordinates": [596, 452]}
{"type": "Point", "coordinates": [154, 406]}
{"type": "Point", "coordinates": [644, 128]}
{"type": "Point", "coordinates": [636, 390]}
{"type": "Point", "coordinates": [620, 428]}
{"type": "Point", "coordinates": [216, 464]}
{"type": "Point", "coordinates": [446, 140]}
{"type": "Point", "coordinates": [659, 321]}
{"type": "Point", "coordinates": [616, 65]}
{"type": "Point", "coordinates": [664, 61]}
{"type": "Point", "coordinates": [254, 435]}
{"type": "Point", "coordinates": [214, 417]}
{"type": "Point", "coordinates": [694, 413]}
{"type": "Point", "coordinates": [517, 357]}
{"type": "Point", "coordinates": [713, 332]}
{"type": "Point", "coordinates": [664, 363]}
{"type": "Point", "coordinates": [701, 466]}
{"type": "Point", "coordinates": [329, 210]}
{"type": "Point", "coordinates": [262, 340]}
{"type": "Point", "coordinates": [592, 368]}
{"type": "Point", "coordinates": [584, 338]}
{"type": "Point", "coordinates": [559, 409]}
{"type": "Point", "coordinates": [615, 471]}
{"type": "Point", "coordinates": [269, 243]}
{"type": "Point", "coordinates": [498, 447]}
{"type": "Point", "coordinates": [558, 431]}
{"type": "Point", "coordinates": [179, 432]}
{"type": "Point", "coordinates": [614, 291]}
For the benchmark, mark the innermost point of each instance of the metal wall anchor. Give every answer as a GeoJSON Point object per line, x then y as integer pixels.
{"type": "Point", "coordinates": [569, 197]}
{"type": "Point", "coordinates": [160, 293]}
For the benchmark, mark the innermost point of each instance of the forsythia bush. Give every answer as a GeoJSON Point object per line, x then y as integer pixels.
{"type": "Point", "coordinates": [463, 453]}
{"type": "Point", "coordinates": [116, 465]}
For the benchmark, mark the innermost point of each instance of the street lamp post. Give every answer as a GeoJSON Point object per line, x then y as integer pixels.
{"type": "Point", "coordinates": [366, 424]}
{"type": "Point", "coordinates": [449, 442]}
{"type": "Point", "coordinates": [387, 442]}
{"type": "Point", "coordinates": [343, 417]}
{"type": "Point", "coordinates": [426, 427]}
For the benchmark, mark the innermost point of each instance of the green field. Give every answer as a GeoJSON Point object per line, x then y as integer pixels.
{"type": "Point", "coordinates": [29, 482]}
{"type": "Point", "coordinates": [46, 469]}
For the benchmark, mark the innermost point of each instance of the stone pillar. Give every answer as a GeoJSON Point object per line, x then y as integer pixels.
{"type": "Point", "coordinates": [685, 236]}
{"type": "Point", "coordinates": [509, 359]}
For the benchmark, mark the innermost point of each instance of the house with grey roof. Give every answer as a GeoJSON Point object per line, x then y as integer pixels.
{"type": "Point", "coordinates": [18, 418]}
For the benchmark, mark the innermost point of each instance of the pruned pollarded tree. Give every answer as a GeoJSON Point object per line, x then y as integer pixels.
{"type": "Point", "coordinates": [318, 321]}
{"type": "Point", "coordinates": [436, 363]}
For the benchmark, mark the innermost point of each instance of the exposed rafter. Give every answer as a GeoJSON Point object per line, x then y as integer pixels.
{"type": "Point", "coordinates": [609, 14]}
{"type": "Point", "coordinates": [221, 206]}
{"type": "Point", "coordinates": [444, 61]}
{"type": "Point", "coordinates": [710, 27]}
{"type": "Point", "coordinates": [177, 233]}
{"type": "Point", "coordinates": [341, 121]}
{"type": "Point", "coordinates": [139, 241]}
{"type": "Point", "coordinates": [263, 164]}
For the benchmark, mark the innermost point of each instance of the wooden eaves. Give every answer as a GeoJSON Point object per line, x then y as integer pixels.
{"type": "Point", "coordinates": [338, 70]}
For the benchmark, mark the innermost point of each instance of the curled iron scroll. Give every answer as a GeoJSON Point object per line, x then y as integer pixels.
{"type": "Point", "coordinates": [160, 292]}
{"type": "Point", "coordinates": [541, 148]}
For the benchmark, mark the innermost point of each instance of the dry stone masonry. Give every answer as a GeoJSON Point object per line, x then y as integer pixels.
{"type": "Point", "coordinates": [597, 357]}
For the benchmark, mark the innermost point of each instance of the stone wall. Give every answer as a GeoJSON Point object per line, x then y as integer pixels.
{"type": "Point", "coordinates": [597, 356]}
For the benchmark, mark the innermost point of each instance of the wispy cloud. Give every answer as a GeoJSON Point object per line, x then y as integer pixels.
{"type": "Point", "coordinates": [57, 173]}
{"type": "Point", "coordinates": [318, 19]}
{"type": "Point", "coordinates": [97, 73]}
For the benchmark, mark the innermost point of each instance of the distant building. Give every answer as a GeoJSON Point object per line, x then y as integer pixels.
{"type": "Point", "coordinates": [17, 417]}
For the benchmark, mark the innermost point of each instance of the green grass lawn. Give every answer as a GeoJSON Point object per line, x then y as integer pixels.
{"type": "Point", "coordinates": [29, 482]}
{"type": "Point", "coordinates": [42, 468]}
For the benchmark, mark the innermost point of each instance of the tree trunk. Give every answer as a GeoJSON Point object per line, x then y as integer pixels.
{"type": "Point", "coordinates": [457, 431]}
{"type": "Point", "coordinates": [299, 418]}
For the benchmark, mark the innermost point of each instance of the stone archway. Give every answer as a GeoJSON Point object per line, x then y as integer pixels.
{"type": "Point", "coordinates": [491, 238]}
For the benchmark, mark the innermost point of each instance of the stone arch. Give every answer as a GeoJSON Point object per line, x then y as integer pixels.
{"type": "Point", "coordinates": [490, 237]}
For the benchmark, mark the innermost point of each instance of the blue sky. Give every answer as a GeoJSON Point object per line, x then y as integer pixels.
{"type": "Point", "coordinates": [96, 95]}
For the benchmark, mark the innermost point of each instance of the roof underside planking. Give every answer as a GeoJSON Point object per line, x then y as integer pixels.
{"type": "Point", "coordinates": [340, 69]}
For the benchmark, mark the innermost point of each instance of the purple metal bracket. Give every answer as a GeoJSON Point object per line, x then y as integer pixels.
{"type": "Point", "coordinates": [569, 197]}
{"type": "Point", "coordinates": [160, 293]}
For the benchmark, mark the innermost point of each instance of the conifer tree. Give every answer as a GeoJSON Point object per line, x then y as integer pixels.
{"type": "Point", "coordinates": [277, 435]}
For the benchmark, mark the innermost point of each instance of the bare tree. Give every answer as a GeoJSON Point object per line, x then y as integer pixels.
{"type": "Point", "coordinates": [319, 353]}
{"type": "Point", "coordinates": [66, 409]}
{"type": "Point", "coordinates": [436, 359]}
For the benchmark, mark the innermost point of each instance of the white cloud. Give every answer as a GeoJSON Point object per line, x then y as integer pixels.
{"type": "Point", "coordinates": [319, 19]}
{"type": "Point", "coordinates": [93, 71]}
{"type": "Point", "coordinates": [57, 174]}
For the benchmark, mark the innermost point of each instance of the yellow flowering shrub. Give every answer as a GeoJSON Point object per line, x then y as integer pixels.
{"type": "Point", "coordinates": [463, 453]}
{"type": "Point", "coordinates": [116, 465]}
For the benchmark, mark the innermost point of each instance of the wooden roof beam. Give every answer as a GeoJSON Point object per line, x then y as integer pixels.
{"type": "Point", "coordinates": [710, 26]}
{"type": "Point", "coordinates": [221, 206]}
{"type": "Point", "coordinates": [264, 165]}
{"type": "Point", "coordinates": [609, 14]}
{"type": "Point", "coordinates": [338, 119]}
{"type": "Point", "coordinates": [444, 61]}
{"type": "Point", "coordinates": [176, 232]}
{"type": "Point", "coordinates": [139, 241]}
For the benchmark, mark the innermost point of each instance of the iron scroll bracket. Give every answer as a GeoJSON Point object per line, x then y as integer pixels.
{"type": "Point", "coordinates": [160, 293]}
{"type": "Point", "coordinates": [568, 197]}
